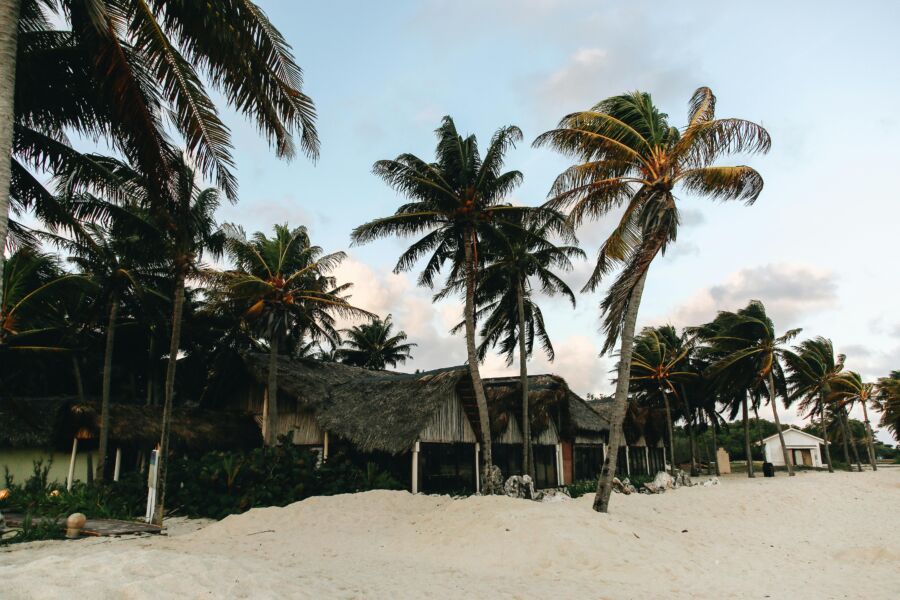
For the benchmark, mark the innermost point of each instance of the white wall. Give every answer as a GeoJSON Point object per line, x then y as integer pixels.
{"type": "Point", "coordinates": [20, 464]}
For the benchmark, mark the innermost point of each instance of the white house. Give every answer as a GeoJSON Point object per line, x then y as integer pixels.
{"type": "Point", "coordinates": [802, 448]}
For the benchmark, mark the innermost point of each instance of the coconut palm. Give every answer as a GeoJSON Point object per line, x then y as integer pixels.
{"type": "Point", "coordinates": [659, 365]}
{"type": "Point", "coordinates": [521, 249]}
{"type": "Point", "coordinates": [136, 62]}
{"type": "Point", "coordinates": [373, 345]}
{"type": "Point", "coordinates": [630, 155]}
{"type": "Point", "coordinates": [814, 370]}
{"type": "Point", "coordinates": [455, 201]}
{"type": "Point", "coordinates": [888, 402]}
{"type": "Point", "coordinates": [284, 285]}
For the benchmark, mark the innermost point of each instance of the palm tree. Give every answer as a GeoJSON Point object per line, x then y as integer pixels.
{"type": "Point", "coordinates": [888, 401]}
{"type": "Point", "coordinates": [455, 201]}
{"type": "Point", "coordinates": [374, 345]}
{"type": "Point", "coordinates": [121, 263]}
{"type": "Point", "coordinates": [814, 371]}
{"type": "Point", "coordinates": [284, 285]}
{"type": "Point", "coordinates": [518, 250]}
{"type": "Point", "coordinates": [630, 155]}
{"type": "Point", "coordinates": [660, 360]}
{"type": "Point", "coordinates": [133, 62]}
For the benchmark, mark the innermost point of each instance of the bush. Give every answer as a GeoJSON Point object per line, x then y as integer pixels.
{"type": "Point", "coordinates": [578, 489]}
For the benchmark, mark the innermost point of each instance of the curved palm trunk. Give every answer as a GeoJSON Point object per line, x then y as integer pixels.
{"type": "Point", "coordinates": [670, 429]}
{"type": "Point", "coordinates": [174, 345]}
{"type": "Point", "coordinates": [472, 353]}
{"type": "Point", "coordinates": [715, 441]}
{"type": "Point", "coordinates": [869, 442]}
{"type": "Point", "coordinates": [620, 403]}
{"type": "Point", "coordinates": [9, 34]}
{"type": "Point", "coordinates": [107, 382]}
{"type": "Point", "coordinates": [745, 413]}
{"type": "Point", "coordinates": [848, 436]}
{"type": "Point", "coordinates": [272, 388]}
{"type": "Point", "coordinates": [151, 375]}
{"type": "Point", "coordinates": [784, 452]}
{"type": "Point", "coordinates": [824, 427]}
{"type": "Point", "coordinates": [689, 424]}
{"type": "Point", "coordinates": [527, 467]}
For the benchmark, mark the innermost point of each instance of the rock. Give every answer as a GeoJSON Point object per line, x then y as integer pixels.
{"type": "Point", "coordinates": [492, 483]}
{"type": "Point", "coordinates": [651, 488]}
{"type": "Point", "coordinates": [711, 481]}
{"type": "Point", "coordinates": [663, 481]}
{"type": "Point", "coordinates": [623, 486]}
{"type": "Point", "coordinates": [553, 496]}
{"type": "Point", "coordinates": [682, 479]}
{"type": "Point", "coordinates": [520, 486]}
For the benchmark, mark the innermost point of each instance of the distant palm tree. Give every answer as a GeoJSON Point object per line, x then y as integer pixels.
{"type": "Point", "coordinates": [374, 345]}
{"type": "Point", "coordinates": [630, 155]}
{"type": "Point", "coordinates": [284, 285]}
{"type": "Point", "coordinates": [455, 201]}
{"type": "Point", "coordinates": [888, 400]}
{"type": "Point", "coordinates": [659, 363]}
{"type": "Point", "coordinates": [120, 69]}
{"type": "Point", "coordinates": [814, 371]}
{"type": "Point", "coordinates": [521, 249]}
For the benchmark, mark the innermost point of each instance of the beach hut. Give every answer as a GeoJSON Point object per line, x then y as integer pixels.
{"type": "Point", "coordinates": [422, 427]}
{"type": "Point", "coordinates": [804, 449]}
{"type": "Point", "coordinates": [643, 451]}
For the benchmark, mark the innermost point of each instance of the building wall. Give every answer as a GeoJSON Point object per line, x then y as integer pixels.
{"type": "Point", "coordinates": [793, 439]}
{"type": "Point", "coordinates": [20, 464]}
{"type": "Point", "coordinates": [449, 424]}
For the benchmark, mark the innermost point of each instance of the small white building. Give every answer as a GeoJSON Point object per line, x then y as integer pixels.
{"type": "Point", "coordinates": [803, 448]}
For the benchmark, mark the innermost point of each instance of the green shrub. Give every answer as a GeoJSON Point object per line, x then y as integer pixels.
{"type": "Point", "coordinates": [577, 489]}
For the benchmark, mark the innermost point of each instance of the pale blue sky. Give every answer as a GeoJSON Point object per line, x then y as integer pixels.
{"type": "Point", "coordinates": [819, 247]}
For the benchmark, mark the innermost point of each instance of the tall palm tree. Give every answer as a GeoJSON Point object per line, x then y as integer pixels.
{"type": "Point", "coordinates": [888, 401]}
{"type": "Point", "coordinates": [455, 201]}
{"type": "Point", "coordinates": [138, 61]}
{"type": "Point", "coordinates": [374, 345]}
{"type": "Point", "coordinates": [814, 370]}
{"type": "Point", "coordinates": [630, 155]}
{"type": "Point", "coordinates": [659, 363]}
{"type": "Point", "coordinates": [519, 250]}
{"type": "Point", "coordinates": [284, 285]}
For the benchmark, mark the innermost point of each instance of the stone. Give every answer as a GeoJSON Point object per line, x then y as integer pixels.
{"type": "Point", "coordinates": [520, 486]}
{"type": "Point", "coordinates": [623, 486]}
{"type": "Point", "coordinates": [682, 479]}
{"type": "Point", "coordinates": [663, 481]}
{"type": "Point", "coordinates": [74, 525]}
{"type": "Point", "coordinates": [552, 496]}
{"type": "Point", "coordinates": [710, 481]}
{"type": "Point", "coordinates": [492, 482]}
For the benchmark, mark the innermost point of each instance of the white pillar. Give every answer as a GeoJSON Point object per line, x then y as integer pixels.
{"type": "Point", "coordinates": [477, 468]}
{"type": "Point", "coordinates": [627, 461]}
{"type": "Point", "coordinates": [265, 415]}
{"type": "Point", "coordinates": [71, 476]}
{"type": "Point", "coordinates": [647, 458]}
{"type": "Point", "coordinates": [118, 464]}
{"type": "Point", "coordinates": [415, 468]}
{"type": "Point", "coordinates": [560, 479]}
{"type": "Point", "coordinates": [665, 465]}
{"type": "Point", "coordinates": [325, 446]}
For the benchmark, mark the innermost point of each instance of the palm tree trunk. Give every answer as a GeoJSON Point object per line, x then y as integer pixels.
{"type": "Point", "coordinates": [669, 427]}
{"type": "Point", "coordinates": [472, 353]}
{"type": "Point", "coordinates": [9, 35]}
{"type": "Point", "coordinates": [527, 467]}
{"type": "Point", "coordinates": [151, 371]}
{"type": "Point", "coordinates": [715, 441]}
{"type": "Point", "coordinates": [107, 382]}
{"type": "Point", "coordinates": [824, 426]}
{"type": "Point", "coordinates": [272, 387]}
{"type": "Point", "coordinates": [848, 436]}
{"type": "Point", "coordinates": [620, 402]}
{"type": "Point", "coordinates": [844, 445]}
{"type": "Point", "coordinates": [784, 452]}
{"type": "Point", "coordinates": [79, 382]}
{"type": "Point", "coordinates": [689, 424]}
{"type": "Point", "coordinates": [174, 344]}
{"type": "Point", "coordinates": [745, 413]}
{"type": "Point", "coordinates": [869, 442]}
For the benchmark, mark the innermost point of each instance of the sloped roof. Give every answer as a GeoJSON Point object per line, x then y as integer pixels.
{"type": "Point", "coordinates": [795, 430]}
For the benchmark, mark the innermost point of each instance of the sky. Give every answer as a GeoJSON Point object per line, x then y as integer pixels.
{"type": "Point", "coordinates": [819, 248]}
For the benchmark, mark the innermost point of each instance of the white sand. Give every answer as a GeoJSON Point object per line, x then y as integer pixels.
{"type": "Point", "coordinates": [815, 536]}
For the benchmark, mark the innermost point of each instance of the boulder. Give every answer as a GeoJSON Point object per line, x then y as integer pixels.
{"type": "Point", "coordinates": [520, 486]}
{"type": "Point", "coordinates": [492, 482]}
{"type": "Point", "coordinates": [552, 496]}
{"type": "Point", "coordinates": [623, 486]}
{"type": "Point", "coordinates": [663, 481]}
{"type": "Point", "coordinates": [710, 481]}
{"type": "Point", "coordinates": [682, 479]}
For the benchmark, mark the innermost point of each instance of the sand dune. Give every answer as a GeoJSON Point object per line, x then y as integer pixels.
{"type": "Point", "coordinates": [815, 536]}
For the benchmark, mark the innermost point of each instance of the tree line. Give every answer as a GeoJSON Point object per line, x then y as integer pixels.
{"type": "Point", "coordinates": [128, 295]}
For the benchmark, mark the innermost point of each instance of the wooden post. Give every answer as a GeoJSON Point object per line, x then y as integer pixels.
{"type": "Point", "coordinates": [71, 476]}
{"type": "Point", "coordinates": [477, 468]}
{"type": "Point", "coordinates": [265, 414]}
{"type": "Point", "coordinates": [415, 468]}
{"type": "Point", "coordinates": [118, 464]}
{"type": "Point", "coordinates": [627, 461]}
{"type": "Point", "coordinates": [325, 447]}
{"type": "Point", "coordinates": [647, 458]}
{"type": "Point", "coordinates": [559, 466]}
{"type": "Point", "coordinates": [665, 466]}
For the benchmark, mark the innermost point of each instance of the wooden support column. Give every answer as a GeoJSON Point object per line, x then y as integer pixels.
{"type": "Point", "coordinates": [415, 468]}
{"type": "Point", "coordinates": [325, 446]}
{"type": "Point", "coordinates": [627, 461]}
{"type": "Point", "coordinates": [118, 466]}
{"type": "Point", "coordinates": [665, 462]}
{"type": "Point", "coordinates": [71, 476]}
{"type": "Point", "coordinates": [559, 466]}
{"type": "Point", "coordinates": [477, 468]}
{"type": "Point", "coordinates": [647, 459]}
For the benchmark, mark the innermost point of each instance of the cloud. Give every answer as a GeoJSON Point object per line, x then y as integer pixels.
{"type": "Point", "coordinates": [691, 217]}
{"type": "Point", "coordinates": [789, 291]}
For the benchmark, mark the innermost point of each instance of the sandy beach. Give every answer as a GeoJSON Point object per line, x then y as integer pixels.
{"type": "Point", "coordinates": [815, 536]}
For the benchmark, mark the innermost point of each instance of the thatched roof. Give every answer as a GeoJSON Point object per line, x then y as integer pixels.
{"type": "Point", "coordinates": [583, 417]}
{"type": "Point", "coordinates": [641, 423]}
{"type": "Point", "coordinates": [53, 422]}
{"type": "Point", "coordinates": [30, 422]}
